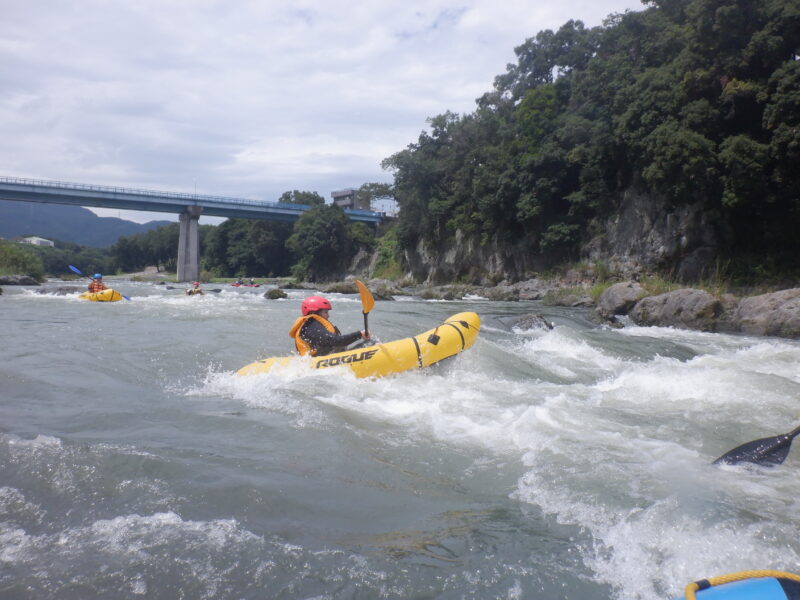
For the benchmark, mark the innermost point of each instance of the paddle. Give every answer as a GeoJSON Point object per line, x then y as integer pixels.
{"type": "Point", "coordinates": [367, 302]}
{"type": "Point", "coordinates": [767, 452]}
{"type": "Point", "coordinates": [78, 271]}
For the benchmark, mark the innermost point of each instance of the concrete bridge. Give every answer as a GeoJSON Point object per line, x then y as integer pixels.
{"type": "Point", "coordinates": [189, 207]}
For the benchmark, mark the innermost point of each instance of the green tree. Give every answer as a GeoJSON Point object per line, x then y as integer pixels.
{"type": "Point", "coordinates": [369, 192]}
{"type": "Point", "coordinates": [16, 259]}
{"type": "Point", "coordinates": [746, 164]}
{"type": "Point", "coordinates": [321, 243]}
{"type": "Point", "coordinates": [128, 254]}
{"type": "Point", "coordinates": [244, 247]}
{"type": "Point", "coordinates": [56, 259]}
{"type": "Point", "coordinates": [298, 197]}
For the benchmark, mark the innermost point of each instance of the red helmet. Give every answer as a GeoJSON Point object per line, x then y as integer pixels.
{"type": "Point", "coordinates": [313, 304]}
{"type": "Point", "coordinates": [196, 283]}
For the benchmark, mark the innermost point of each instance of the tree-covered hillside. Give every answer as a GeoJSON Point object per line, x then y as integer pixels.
{"type": "Point", "coordinates": [688, 101]}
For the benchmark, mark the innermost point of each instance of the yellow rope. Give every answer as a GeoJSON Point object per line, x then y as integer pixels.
{"type": "Point", "coordinates": [689, 592]}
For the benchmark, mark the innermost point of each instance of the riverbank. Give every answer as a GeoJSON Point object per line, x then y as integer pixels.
{"type": "Point", "coordinates": [775, 313]}
{"type": "Point", "coordinates": [769, 314]}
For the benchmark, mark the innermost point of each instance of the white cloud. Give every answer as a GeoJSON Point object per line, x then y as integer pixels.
{"type": "Point", "coordinates": [247, 98]}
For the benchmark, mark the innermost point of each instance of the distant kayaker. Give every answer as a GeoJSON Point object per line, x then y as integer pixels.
{"type": "Point", "coordinates": [252, 281]}
{"type": "Point", "coordinates": [314, 334]}
{"type": "Point", "coordinates": [240, 281]}
{"type": "Point", "coordinates": [97, 285]}
{"type": "Point", "coordinates": [195, 290]}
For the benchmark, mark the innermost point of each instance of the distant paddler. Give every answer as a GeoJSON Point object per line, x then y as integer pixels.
{"type": "Point", "coordinates": [194, 291]}
{"type": "Point", "coordinates": [97, 291]}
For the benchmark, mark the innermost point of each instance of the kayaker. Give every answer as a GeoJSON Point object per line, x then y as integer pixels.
{"type": "Point", "coordinates": [252, 281]}
{"type": "Point", "coordinates": [314, 334]}
{"type": "Point", "coordinates": [195, 290]}
{"type": "Point", "coordinates": [240, 281]}
{"type": "Point", "coordinates": [97, 285]}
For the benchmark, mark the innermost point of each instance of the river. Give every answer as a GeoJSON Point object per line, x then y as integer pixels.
{"type": "Point", "coordinates": [546, 464]}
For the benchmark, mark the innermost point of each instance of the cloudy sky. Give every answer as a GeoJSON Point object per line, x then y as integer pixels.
{"type": "Point", "coordinates": [246, 98]}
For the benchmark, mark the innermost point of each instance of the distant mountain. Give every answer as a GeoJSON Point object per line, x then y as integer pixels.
{"type": "Point", "coordinates": [66, 223]}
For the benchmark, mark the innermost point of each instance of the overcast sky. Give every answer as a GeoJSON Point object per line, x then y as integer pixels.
{"type": "Point", "coordinates": [246, 98]}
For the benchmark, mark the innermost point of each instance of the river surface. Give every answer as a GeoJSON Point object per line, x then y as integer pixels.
{"type": "Point", "coordinates": [545, 464]}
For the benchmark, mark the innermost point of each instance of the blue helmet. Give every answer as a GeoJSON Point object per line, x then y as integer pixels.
{"type": "Point", "coordinates": [97, 276]}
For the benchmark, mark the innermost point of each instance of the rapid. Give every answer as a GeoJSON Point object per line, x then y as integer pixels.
{"type": "Point", "coordinates": [563, 463]}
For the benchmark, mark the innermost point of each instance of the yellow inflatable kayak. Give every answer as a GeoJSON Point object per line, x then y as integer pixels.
{"type": "Point", "coordinates": [104, 296]}
{"type": "Point", "coordinates": [456, 334]}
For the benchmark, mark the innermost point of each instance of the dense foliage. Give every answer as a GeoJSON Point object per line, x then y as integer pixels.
{"type": "Point", "coordinates": [244, 248]}
{"type": "Point", "coordinates": [38, 261]}
{"type": "Point", "coordinates": [690, 101]}
{"type": "Point", "coordinates": [56, 260]}
{"type": "Point", "coordinates": [319, 245]}
{"type": "Point", "coordinates": [157, 247]}
{"type": "Point", "coordinates": [323, 243]}
{"type": "Point", "coordinates": [298, 197]}
{"type": "Point", "coordinates": [18, 259]}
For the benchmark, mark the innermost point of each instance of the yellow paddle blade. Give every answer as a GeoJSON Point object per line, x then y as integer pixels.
{"type": "Point", "coordinates": [367, 301]}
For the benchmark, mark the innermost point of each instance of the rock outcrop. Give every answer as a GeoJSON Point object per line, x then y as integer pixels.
{"type": "Point", "coordinates": [532, 321]}
{"type": "Point", "coordinates": [619, 299]}
{"type": "Point", "coordinates": [685, 309]}
{"type": "Point", "coordinates": [275, 294]}
{"type": "Point", "coordinates": [776, 314]}
{"type": "Point", "coordinates": [465, 258]}
{"type": "Point", "coordinates": [642, 235]}
{"type": "Point", "coordinates": [61, 290]}
{"type": "Point", "coordinates": [17, 280]}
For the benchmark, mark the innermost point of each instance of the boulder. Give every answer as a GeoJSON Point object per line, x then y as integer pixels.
{"type": "Point", "coordinates": [341, 287]}
{"type": "Point", "coordinates": [684, 309]}
{"type": "Point", "coordinates": [572, 297]}
{"type": "Point", "coordinates": [296, 285]}
{"type": "Point", "coordinates": [382, 293]}
{"type": "Point", "coordinates": [61, 290]}
{"type": "Point", "coordinates": [728, 321]}
{"type": "Point", "coordinates": [501, 293]}
{"type": "Point", "coordinates": [533, 289]}
{"type": "Point", "coordinates": [274, 294]}
{"type": "Point", "coordinates": [532, 321]}
{"type": "Point", "coordinates": [17, 280]}
{"type": "Point", "coordinates": [384, 289]}
{"type": "Point", "coordinates": [619, 299]}
{"type": "Point", "coordinates": [775, 314]}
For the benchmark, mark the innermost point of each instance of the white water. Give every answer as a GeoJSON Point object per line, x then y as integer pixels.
{"type": "Point", "coordinates": [569, 463]}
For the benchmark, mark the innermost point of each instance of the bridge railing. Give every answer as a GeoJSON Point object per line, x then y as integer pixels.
{"type": "Point", "coordinates": [66, 185]}
{"type": "Point", "coordinates": [134, 191]}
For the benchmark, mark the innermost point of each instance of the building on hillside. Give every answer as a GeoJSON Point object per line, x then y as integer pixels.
{"type": "Point", "coordinates": [36, 241]}
{"type": "Point", "coordinates": [349, 199]}
{"type": "Point", "coordinates": [386, 206]}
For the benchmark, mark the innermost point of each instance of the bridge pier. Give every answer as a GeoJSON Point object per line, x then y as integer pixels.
{"type": "Point", "coordinates": [189, 244]}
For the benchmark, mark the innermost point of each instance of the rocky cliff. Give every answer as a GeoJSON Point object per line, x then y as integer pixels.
{"type": "Point", "coordinates": [641, 236]}
{"type": "Point", "coordinates": [683, 240]}
{"type": "Point", "coordinates": [466, 259]}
